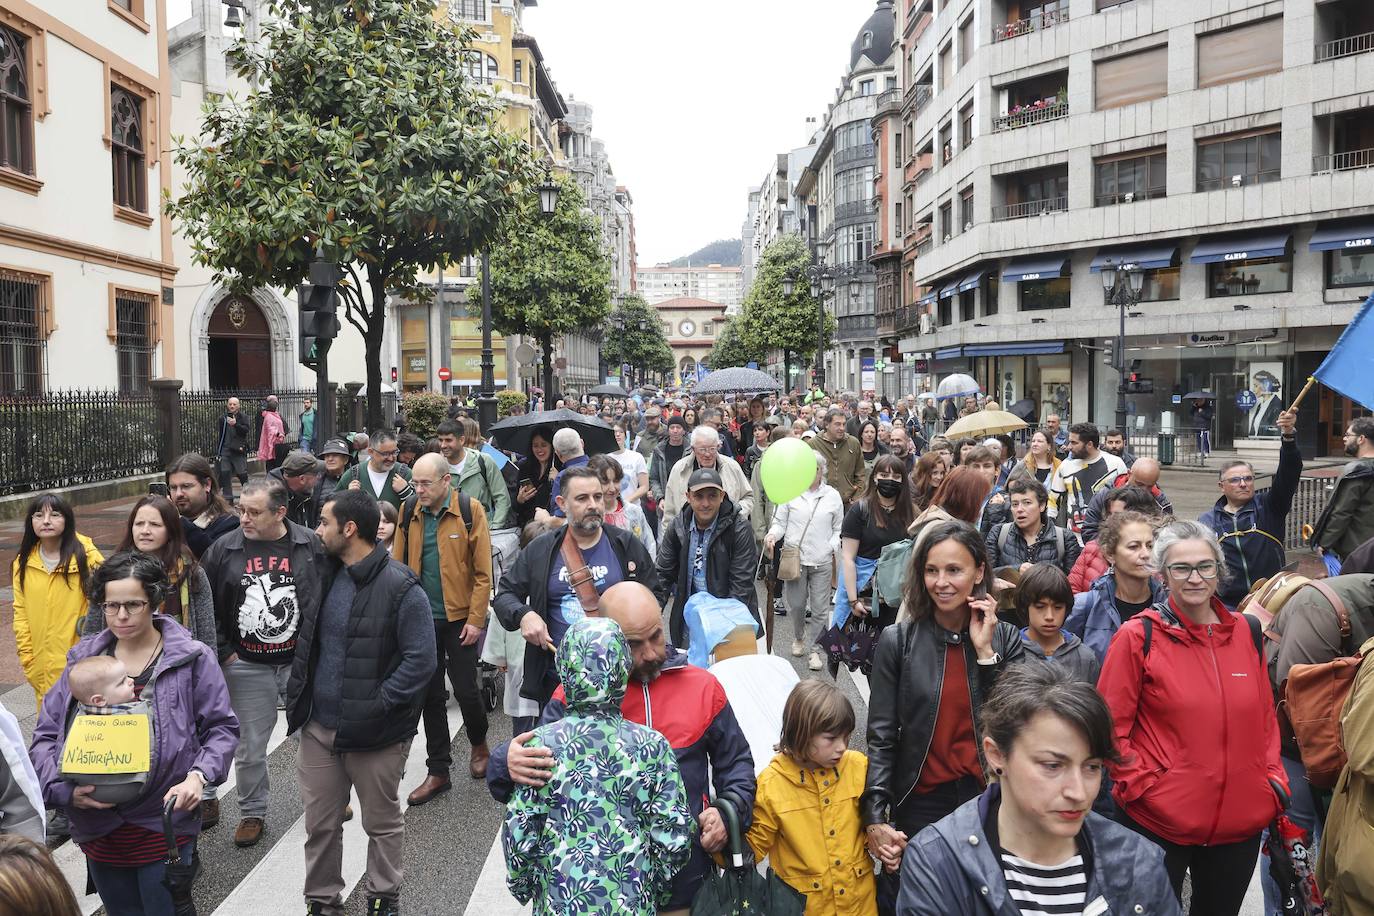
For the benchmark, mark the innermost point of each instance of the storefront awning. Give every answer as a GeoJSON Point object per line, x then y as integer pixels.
{"type": "Point", "coordinates": [1036, 267]}
{"type": "Point", "coordinates": [971, 279]}
{"type": "Point", "coordinates": [1146, 257]}
{"type": "Point", "coordinates": [1039, 348]}
{"type": "Point", "coordinates": [949, 353]}
{"type": "Point", "coordinates": [1338, 236]}
{"type": "Point", "coordinates": [949, 289]}
{"type": "Point", "coordinates": [1267, 243]}
{"type": "Point", "coordinates": [927, 299]}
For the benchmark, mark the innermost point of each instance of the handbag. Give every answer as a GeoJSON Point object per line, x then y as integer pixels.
{"type": "Point", "coordinates": [789, 565]}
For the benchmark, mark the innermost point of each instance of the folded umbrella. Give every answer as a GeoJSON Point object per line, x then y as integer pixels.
{"type": "Point", "coordinates": [739, 890]}
{"type": "Point", "coordinates": [178, 874]}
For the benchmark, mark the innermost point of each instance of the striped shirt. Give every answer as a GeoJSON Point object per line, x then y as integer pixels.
{"type": "Point", "coordinates": [1039, 890]}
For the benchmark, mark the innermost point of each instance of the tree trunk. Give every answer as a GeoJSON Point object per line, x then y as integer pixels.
{"type": "Point", "coordinates": [376, 324]}
{"type": "Point", "coordinates": [546, 341]}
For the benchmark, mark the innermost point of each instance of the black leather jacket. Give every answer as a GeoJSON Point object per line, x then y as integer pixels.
{"type": "Point", "coordinates": [908, 673]}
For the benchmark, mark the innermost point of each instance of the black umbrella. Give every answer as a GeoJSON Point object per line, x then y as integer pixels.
{"type": "Point", "coordinates": [1024, 408]}
{"type": "Point", "coordinates": [609, 391]}
{"type": "Point", "coordinates": [1200, 396]}
{"type": "Point", "coordinates": [739, 890]}
{"type": "Point", "coordinates": [737, 381]}
{"type": "Point", "coordinates": [513, 433]}
{"type": "Point", "coordinates": [178, 874]}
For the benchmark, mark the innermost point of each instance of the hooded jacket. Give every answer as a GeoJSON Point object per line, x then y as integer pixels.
{"type": "Point", "coordinates": [1195, 725]}
{"type": "Point", "coordinates": [1076, 657]}
{"type": "Point", "coordinates": [1347, 521]}
{"type": "Point", "coordinates": [49, 608]}
{"type": "Point", "coordinates": [1252, 539]}
{"type": "Point", "coordinates": [688, 706]}
{"type": "Point", "coordinates": [193, 727]}
{"type": "Point", "coordinates": [1053, 545]}
{"type": "Point", "coordinates": [951, 869]}
{"type": "Point", "coordinates": [731, 562]}
{"type": "Point", "coordinates": [611, 827]}
{"type": "Point", "coordinates": [1088, 568]}
{"type": "Point", "coordinates": [1094, 617]}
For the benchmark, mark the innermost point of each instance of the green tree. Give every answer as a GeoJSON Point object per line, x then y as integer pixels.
{"type": "Point", "coordinates": [635, 336]}
{"type": "Point", "coordinates": [731, 349]}
{"type": "Point", "coordinates": [366, 140]}
{"type": "Point", "coordinates": [549, 273]}
{"type": "Point", "coordinates": [770, 320]}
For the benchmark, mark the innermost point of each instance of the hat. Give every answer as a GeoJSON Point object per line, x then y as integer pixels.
{"type": "Point", "coordinates": [300, 462]}
{"type": "Point", "coordinates": [809, 434]}
{"type": "Point", "coordinates": [336, 447]}
{"type": "Point", "coordinates": [705, 477]}
{"type": "Point", "coordinates": [677, 421]}
{"type": "Point", "coordinates": [774, 420]}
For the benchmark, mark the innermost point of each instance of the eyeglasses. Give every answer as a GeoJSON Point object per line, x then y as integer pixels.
{"type": "Point", "coordinates": [420, 484]}
{"type": "Point", "coordinates": [255, 513]}
{"type": "Point", "coordinates": [1182, 572]}
{"type": "Point", "coordinates": [1237, 481]}
{"type": "Point", "coordinates": [391, 454]}
{"type": "Point", "coordinates": [132, 608]}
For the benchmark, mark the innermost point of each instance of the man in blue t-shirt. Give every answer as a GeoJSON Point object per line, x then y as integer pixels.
{"type": "Point", "coordinates": [603, 569]}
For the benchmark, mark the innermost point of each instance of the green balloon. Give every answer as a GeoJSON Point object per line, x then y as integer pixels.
{"type": "Point", "coordinates": [787, 469]}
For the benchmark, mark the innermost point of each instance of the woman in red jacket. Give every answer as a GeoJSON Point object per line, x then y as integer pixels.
{"type": "Point", "coordinates": [1194, 718]}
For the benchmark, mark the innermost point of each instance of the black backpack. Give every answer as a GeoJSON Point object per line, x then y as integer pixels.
{"type": "Point", "coordinates": [408, 514]}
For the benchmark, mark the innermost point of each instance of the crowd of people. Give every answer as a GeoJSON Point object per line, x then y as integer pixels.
{"type": "Point", "coordinates": [1067, 711]}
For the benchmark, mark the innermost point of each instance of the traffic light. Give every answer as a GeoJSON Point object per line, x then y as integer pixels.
{"type": "Point", "coordinates": [1109, 352]}
{"type": "Point", "coordinates": [317, 302]}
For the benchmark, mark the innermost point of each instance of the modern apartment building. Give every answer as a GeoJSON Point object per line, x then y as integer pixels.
{"type": "Point", "coordinates": [711, 282]}
{"type": "Point", "coordinates": [1225, 149]}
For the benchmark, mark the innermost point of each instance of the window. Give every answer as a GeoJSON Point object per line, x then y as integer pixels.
{"type": "Point", "coordinates": [966, 208]}
{"type": "Point", "coordinates": [1240, 53]}
{"type": "Point", "coordinates": [1349, 268]}
{"type": "Point", "coordinates": [966, 126]}
{"type": "Point", "coordinates": [1037, 295]}
{"type": "Point", "coordinates": [1161, 285]}
{"type": "Point", "coordinates": [946, 66]}
{"type": "Point", "coordinates": [16, 103]}
{"type": "Point", "coordinates": [965, 42]}
{"type": "Point", "coordinates": [890, 83]}
{"type": "Point", "coordinates": [1234, 161]}
{"type": "Point", "coordinates": [854, 186]}
{"type": "Point", "coordinates": [863, 241]}
{"type": "Point", "coordinates": [467, 9]}
{"type": "Point", "coordinates": [520, 72]}
{"type": "Point", "coordinates": [855, 133]}
{"type": "Point", "coordinates": [22, 313]}
{"type": "Point", "coordinates": [865, 87]}
{"type": "Point", "coordinates": [945, 313]}
{"type": "Point", "coordinates": [1249, 278]}
{"type": "Point", "coordinates": [990, 287]}
{"type": "Point", "coordinates": [134, 340]}
{"type": "Point", "coordinates": [1137, 177]}
{"type": "Point", "coordinates": [493, 71]}
{"type": "Point", "coordinates": [127, 150]}
{"type": "Point", "coordinates": [966, 307]}
{"type": "Point", "coordinates": [946, 144]}
{"type": "Point", "coordinates": [867, 40]}
{"type": "Point", "coordinates": [897, 220]}
{"type": "Point", "coordinates": [1131, 78]}
{"type": "Point", "coordinates": [947, 229]}
{"type": "Point", "coordinates": [706, 328]}
{"type": "Point", "coordinates": [667, 328]}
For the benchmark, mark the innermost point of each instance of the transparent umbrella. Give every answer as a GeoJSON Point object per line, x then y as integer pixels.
{"type": "Point", "coordinates": [957, 385]}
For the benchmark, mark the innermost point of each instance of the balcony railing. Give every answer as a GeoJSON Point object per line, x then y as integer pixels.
{"type": "Point", "coordinates": [1030, 114]}
{"type": "Point", "coordinates": [1344, 47]}
{"type": "Point", "coordinates": [853, 209]}
{"type": "Point", "coordinates": [1342, 162]}
{"type": "Point", "coordinates": [1235, 181]}
{"type": "Point", "coordinates": [855, 153]}
{"type": "Point", "coordinates": [1026, 26]}
{"type": "Point", "coordinates": [925, 247]}
{"type": "Point", "coordinates": [1029, 208]}
{"type": "Point", "coordinates": [890, 99]}
{"type": "Point", "coordinates": [924, 93]}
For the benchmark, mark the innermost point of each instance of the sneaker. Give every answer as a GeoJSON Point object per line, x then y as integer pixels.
{"type": "Point", "coordinates": [798, 648]}
{"type": "Point", "coordinates": [383, 906]}
{"type": "Point", "coordinates": [314, 908]}
{"type": "Point", "coordinates": [814, 662]}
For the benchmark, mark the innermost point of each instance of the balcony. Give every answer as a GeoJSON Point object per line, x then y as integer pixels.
{"type": "Point", "coordinates": [853, 209]}
{"type": "Point", "coordinates": [1034, 113]}
{"type": "Point", "coordinates": [925, 247]}
{"type": "Point", "coordinates": [1343, 162]}
{"type": "Point", "coordinates": [1345, 47]}
{"type": "Point", "coordinates": [855, 154]}
{"type": "Point", "coordinates": [857, 327]}
{"type": "Point", "coordinates": [1029, 208]}
{"type": "Point", "coordinates": [1343, 142]}
{"type": "Point", "coordinates": [921, 95]}
{"type": "Point", "coordinates": [889, 101]}
{"type": "Point", "coordinates": [1035, 23]}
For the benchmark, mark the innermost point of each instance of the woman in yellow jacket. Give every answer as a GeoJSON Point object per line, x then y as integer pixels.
{"type": "Point", "coordinates": [49, 577]}
{"type": "Point", "coordinates": [806, 811]}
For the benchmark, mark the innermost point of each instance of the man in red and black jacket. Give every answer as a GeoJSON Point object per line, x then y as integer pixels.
{"type": "Point", "coordinates": [682, 702]}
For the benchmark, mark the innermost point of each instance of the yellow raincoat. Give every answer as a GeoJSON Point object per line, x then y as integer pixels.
{"type": "Point", "coordinates": [48, 610]}
{"type": "Point", "coordinates": [807, 822]}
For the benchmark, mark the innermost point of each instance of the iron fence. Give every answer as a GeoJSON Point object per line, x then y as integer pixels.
{"type": "Point", "coordinates": [201, 412]}
{"type": "Point", "coordinates": [1308, 503]}
{"type": "Point", "coordinates": [68, 438]}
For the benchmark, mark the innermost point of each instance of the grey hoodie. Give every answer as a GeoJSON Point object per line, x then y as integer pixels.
{"type": "Point", "coordinates": [1073, 654]}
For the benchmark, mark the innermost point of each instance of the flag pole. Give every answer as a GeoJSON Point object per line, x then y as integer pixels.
{"type": "Point", "coordinates": [1311, 380]}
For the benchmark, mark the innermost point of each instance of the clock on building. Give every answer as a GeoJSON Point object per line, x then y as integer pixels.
{"type": "Point", "coordinates": [687, 328]}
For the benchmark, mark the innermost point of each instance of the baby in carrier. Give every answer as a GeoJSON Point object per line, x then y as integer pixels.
{"type": "Point", "coordinates": [102, 687]}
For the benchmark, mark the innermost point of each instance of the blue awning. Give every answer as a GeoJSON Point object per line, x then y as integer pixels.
{"type": "Point", "coordinates": [971, 279]}
{"type": "Point", "coordinates": [1036, 267]}
{"type": "Point", "coordinates": [949, 289]}
{"type": "Point", "coordinates": [1147, 257]}
{"type": "Point", "coordinates": [927, 299]}
{"type": "Point", "coordinates": [1040, 348]}
{"type": "Point", "coordinates": [1266, 243]}
{"type": "Point", "coordinates": [1337, 236]}
{"type": "Point", "coordinates": [949, 353]}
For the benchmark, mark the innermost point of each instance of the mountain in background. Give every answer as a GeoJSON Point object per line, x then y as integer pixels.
{"type": "Point", "coordinates": [724, 252]}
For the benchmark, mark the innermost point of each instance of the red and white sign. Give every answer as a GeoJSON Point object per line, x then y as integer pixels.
{"type": "Point", "coordinates": [445, 373]}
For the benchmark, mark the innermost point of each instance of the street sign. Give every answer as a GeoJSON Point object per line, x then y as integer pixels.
{"type": "Point", "coordinates": [445, 373]}
{"type": "Point", "coordinates": [525, 353]}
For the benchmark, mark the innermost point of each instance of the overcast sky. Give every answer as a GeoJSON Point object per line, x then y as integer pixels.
{"type": "Point", "coordinates": [692, 99]}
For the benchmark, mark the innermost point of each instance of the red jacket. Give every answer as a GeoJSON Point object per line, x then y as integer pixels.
{"type": "Point", "coordinates": [1087, 568]}
{"type": "Point", "coordinates": [1195, 727]}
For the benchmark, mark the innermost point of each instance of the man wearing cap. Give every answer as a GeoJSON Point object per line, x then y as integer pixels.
{"type": "Point", "coordinates": [706, 453]}
{"type": "Point", "coordinates": [709, 549]}
{"type": "Point", "coordinates": [652, 434]}
{"type": "Point", "coordinates": [381, 476]}
{"type": "Point", "coordinates": [302, 473]}
{"type": "Point", "coordinates": [335, 454]}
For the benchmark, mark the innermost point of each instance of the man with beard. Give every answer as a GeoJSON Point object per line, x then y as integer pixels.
{"type": "Point", "coordinates": [556, 578]}
{"type": "Point", "coordinates": [684, 703]}
{"type": "Point", "coordinates": [1087, 470]}
{"type": "Point", "coordinates": [205, 516]}
{"type": "Point", "coordinates": [1115, 443]}
{"type": "Point", "coordinates": [1346, 522]}
{"type": "Point", "coordinates": [381, 476]}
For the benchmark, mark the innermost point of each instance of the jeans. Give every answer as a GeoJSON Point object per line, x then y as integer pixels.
{"type": "Point", "coordinates": [811, 590]}
{"type": "Point", "coordinates": [1303, 812]}
{"type": "Point", "coordinates": [253, 694]}
{"type": "Point", "coordinates": [1204, 441]}
{"type": "Point", "coordinates": [135, 891]}
{"type": "Point", "coordinates": [459, 662]}
{"type": "Point", "coordinates": [1220, 874]}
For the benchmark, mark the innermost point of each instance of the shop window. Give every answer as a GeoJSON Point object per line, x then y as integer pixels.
{"type": "Point", "coordinates": [1037, 295]}
{"type": "Point", "coordinates": [1249, 278]}
{"type": "Point", "coordinates": [1131, 78]}
{"type": "Point", "coordinates": [1123, 180]}
{"type": "Point", "coordinates": [966, 306]}
{"type": "Point", "coordinates": [1234, 161]}
{"type": "Point", "coordinates": [1240, 53]}
{"type": "Point", "coordinates": [1349, 268]}
{"type": "Point", "coordinates": [990, 290]}
{"type": "Point", "coordinates": [1161, 285]}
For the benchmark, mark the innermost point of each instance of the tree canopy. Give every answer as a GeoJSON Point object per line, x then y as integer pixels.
{"type": "Point", "coordinates": [626, 342]}
{"type": "Point", "coordinates": [770, 320]}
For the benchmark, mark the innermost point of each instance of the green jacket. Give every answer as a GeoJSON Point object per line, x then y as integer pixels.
{"type": "Point", "coordinates": [481, 479]}
{"type": "Point", "coordinates": [845, 465]}
{"type": "Point", "coordinates": [388, 494]}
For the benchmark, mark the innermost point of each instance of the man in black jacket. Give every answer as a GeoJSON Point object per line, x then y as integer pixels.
{"type": "Point", "coordinates": [710, 549]}
{"type": "Point", "coordinates": [233, 431]}
{"type": "Point", "coordinates": [524, 600]}
{"type": "Point", "coordinates": [358, 682]}
{"type": "Point", "coordinates": [205, 516]}
{"type": "Point", "coordinates": [302, 475]}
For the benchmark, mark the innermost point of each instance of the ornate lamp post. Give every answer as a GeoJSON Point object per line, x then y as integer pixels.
{"type": "Point", "coordinates": [1122, 284]}
{"type": "Point", "coordinates": [822, 283]}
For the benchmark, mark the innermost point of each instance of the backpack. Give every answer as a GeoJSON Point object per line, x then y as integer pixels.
{"type": "Point", "coordinates": [1006, 529]}
{"type": "Point", "coordinates": [408, 513]}
{"type": "Point", "coordinates": [890, 575]}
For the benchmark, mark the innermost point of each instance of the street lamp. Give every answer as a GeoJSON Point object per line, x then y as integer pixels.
{"type": "Point", "coordinates": [1122, 285]}
{"type": "Point", "coordinates": [548, 194]}
{"type": "Point", "coordinates": [822, 283]}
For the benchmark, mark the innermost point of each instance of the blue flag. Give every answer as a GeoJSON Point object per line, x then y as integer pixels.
{"type": "Point", "coordinates": [1349, 367]}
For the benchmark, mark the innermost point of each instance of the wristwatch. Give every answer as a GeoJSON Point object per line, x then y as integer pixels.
{"type": "Point", "coordinates": [995, 660]}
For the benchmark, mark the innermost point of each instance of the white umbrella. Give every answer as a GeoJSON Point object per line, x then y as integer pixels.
{"type": "Point", "coordinates": [957, 385]}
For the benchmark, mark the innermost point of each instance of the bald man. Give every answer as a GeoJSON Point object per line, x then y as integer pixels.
{"type": "Point", "coordinates": [1144, 473]}
{"type": "Point", "coordinates": [685, 704]}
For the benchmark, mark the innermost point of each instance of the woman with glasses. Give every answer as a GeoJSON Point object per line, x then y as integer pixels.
{"type": "Point", "coordinates": [49, 575]}
{"type": "Point", "coordinates": [1194, 718]}
{"type": "Point", "coordinates": [194, 734]}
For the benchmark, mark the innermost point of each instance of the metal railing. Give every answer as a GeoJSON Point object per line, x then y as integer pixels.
{"type": "Point", "coordinates": [1108, 200]}
{"type": "Point", "coordinates": [889, 98]}
{"type": "Point", "coordinates": [1345, 47]}
{"type": "Point", "coordinates": [1030, 24]}
{"type": "Point", "coordinates": [1013, 120]}
{"type": "Point", "coordinates": [853, 208]}
{"type": "Point", "coordinates": [855, 153]}
{"type": "Point", "coordinates": [924, 93]}
{"type": "Point", "coordinates": [1308, 503]}
{"type": "Point", "coordinates": [68, 438]}
{"type": "Point", "coordinates": [1029, 208]}
{"type": "Point", "coordinates": [1341, 162]}
{"type": "Point", "coordinates": [201, 410]}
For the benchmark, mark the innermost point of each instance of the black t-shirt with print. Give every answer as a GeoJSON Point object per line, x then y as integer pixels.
{"type": "Point", "coordinates": [268, 618]}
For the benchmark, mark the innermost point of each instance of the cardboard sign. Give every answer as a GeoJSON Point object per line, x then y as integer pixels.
{"type": "Point", "coordinates": [108, 745]}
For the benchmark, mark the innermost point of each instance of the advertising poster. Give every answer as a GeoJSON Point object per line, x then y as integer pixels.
{"type": "Point", "coordinates": [1264, 378]}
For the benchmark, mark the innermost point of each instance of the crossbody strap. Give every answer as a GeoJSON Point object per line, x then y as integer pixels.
{"type": "Point", "coordinates": [580, 578]}
{"type": "Point", "coordinates": [1342, 613]}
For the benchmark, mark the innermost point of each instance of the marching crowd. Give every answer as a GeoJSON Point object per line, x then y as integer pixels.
{"type": "Point", "coordinates": [1068, 711]}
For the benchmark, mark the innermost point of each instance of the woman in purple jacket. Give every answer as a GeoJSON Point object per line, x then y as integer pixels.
{"type": "Point", "coordinates": [194, 737]}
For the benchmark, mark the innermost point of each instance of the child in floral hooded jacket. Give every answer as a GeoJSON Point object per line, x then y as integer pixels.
{"type": "Point", "coordinates": [606, 834]}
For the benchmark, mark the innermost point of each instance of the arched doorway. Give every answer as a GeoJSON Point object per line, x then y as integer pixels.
{"type": "Point", "coordinates": [240, 345]}
{"type": "Point", "coordinates": [687, 368]}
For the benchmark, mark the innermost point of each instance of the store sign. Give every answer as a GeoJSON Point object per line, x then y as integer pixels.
{"type": "Point", "coordinates": [1209, 340]}
{"type": "Point", "coordinates": [1245, 399]}
{"type": "Point", "coordinates": [1236, 256]}
{"type": "Point", "coordinates": [1359, 243]}
{"type": "Point", "coordinates": [1025, 277]}
{"type": "Point", "coordinates": [922, 366]}
{"type": "Point", "coordinates": [418, 364]}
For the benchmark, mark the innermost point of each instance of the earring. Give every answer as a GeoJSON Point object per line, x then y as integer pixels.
{"type": "Point", "coordinates": [997, 770]}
